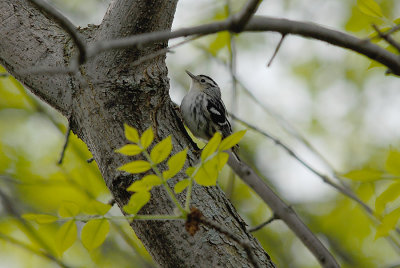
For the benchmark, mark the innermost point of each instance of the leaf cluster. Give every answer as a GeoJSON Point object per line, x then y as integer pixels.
{"type": "Point", "coordinates": [213, 159]}
{"type": "Point", "coordinates": [389, 217]}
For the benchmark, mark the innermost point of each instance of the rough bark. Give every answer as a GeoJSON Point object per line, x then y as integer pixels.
{"type": "Point", "coordinates": [108, 93]}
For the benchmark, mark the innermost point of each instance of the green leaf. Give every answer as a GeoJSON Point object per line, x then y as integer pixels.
{"type": "Point", "coordinates": [136, 167]}
{"type": "Point", "coordinates": [175, 164]}
{"type": "Point", "coordinates": [211, 146]}
{"type": "Point", "coordinates": [129, 149]}
{"type": "Point", "coordinates": [388, 223]}
{"type": "Point", "coordinates": [190, 170]}
{"type": "Point", "coordinates": [370, 8]}
{"type": "Point", "coordinates": [231, 140]}
{"type": "Point", "coordinates": [137, 201]}
{"type": "Point", "coordinates": [161, 150]}
{"type": "Point", "coordinates": [145, 184]}
{"type": "Point", "coordinates": [364, 175]}
{"type": "Point", "coordinates": [66, 236]}
{"type": "Point", "coordinates": [68, 209]}
{"type": "Point", "coordinates": [181, 185]}
{"type": "Point", "coordinates": [131, 134]}
{"type": "Point", "coordinates": [95, 207]}
{"type": "Point", "coordinates": [390, 194]}
{"type": "Point", "coordinates": [40, 218]}
{"type": "Point", "coordinates": [222, 158]}
{"type": "Point", "coordinates": [94, 233]}
{"type": "Point", "coordinates": [392, 164]}
{"type": "Point", "coordinates": [222, 40]}
{"type": "Point", "coordinates": [208, 173]}
{"type": "Point", "coordinates": [147, 138]}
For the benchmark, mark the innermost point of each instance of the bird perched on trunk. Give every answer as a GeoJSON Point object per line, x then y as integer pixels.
{"type": "Point", "coordinates": [203, 110]}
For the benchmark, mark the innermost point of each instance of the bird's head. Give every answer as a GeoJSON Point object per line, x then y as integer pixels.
{"type": "Point", "coordinates": [202, 82]}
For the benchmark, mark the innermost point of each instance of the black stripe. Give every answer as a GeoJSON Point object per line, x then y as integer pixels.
{"type": "Point", "coordinates": [205, 76]}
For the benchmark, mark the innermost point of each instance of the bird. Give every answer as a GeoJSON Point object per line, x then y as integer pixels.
{"type": "Point", "coordinates": [203, 110]}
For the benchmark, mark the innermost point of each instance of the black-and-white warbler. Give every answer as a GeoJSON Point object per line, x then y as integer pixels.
{"type": "Point", "coordinates": [203, 110]}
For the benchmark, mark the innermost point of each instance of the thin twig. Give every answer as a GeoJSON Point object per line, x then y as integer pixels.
{"type": "Point", "coordinates": [388, 32]}
{"type": "Point", "coordinates": [387, 38]}
{"type": "Point", "coordinates": [258, 227]}
{"type": "Point", "coordinates": [66, 140]}
{"type": "Point", "coordinates": [163, 51]}
{"type": "Point", "coordinates": [276, 50]}
{"type": "Point", "coordinates": [244, 15]}
{"type": "Point", "coordinates": [67, 25]}
{"type": "Point", "coordinates": [260, 23]}
{"type": "Point", "coordinates": [232, 72]}
{"type": "Point", "coordinates": [324, 178]}
{"type": "Point", "coordinates": [342, 189]}
{"type": "Point", "coordinates": [2, 75]}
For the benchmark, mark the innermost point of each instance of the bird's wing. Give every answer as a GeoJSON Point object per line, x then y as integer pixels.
{"type": "Point", "coordinates": [218, 116]}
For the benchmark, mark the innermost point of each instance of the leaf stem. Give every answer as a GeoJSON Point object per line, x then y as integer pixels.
{"type": "Point", "coordinates": [127, 217]}
{"type": "Point", "coordinates": [164, 182]}
{"type": "Point", "coordinates": [189, 194]}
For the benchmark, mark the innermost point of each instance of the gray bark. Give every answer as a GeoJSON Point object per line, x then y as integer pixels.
{"type": "Point", "coordinates": [106, 94]}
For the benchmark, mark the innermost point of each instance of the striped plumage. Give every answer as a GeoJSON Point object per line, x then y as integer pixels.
{"type": "Point", "coordinates": [202, 108]}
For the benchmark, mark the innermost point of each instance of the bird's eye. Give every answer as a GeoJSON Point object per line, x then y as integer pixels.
{"type": "Point", "coordinates": [202, 80]}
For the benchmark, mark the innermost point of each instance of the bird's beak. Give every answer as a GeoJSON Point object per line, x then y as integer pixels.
{"type": "Point", "coordinates": [190, 74]}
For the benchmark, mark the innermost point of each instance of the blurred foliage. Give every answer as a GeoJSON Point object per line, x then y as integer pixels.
{"type": "Point", "coordinates": [31, 140]}
{"type": "Point", "coordinates": [348, 120]}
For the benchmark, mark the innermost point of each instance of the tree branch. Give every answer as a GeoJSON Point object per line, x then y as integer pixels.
{"type": "Point", "coordinates": [29, 39]}
{"type": "Point", "coordinates": [61, 20]}
{"type": "Point", "coordinates": [283, 211]}
{"type": "Point", "coordinates": [387, 38]}
{"type": "Point", "coordinates": [258, 24]}
{"type": "Point", "coordinates": [241, 19]}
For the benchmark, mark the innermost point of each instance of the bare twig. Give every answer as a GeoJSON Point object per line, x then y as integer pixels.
{"type": "Point", "coordinates": [276, 50]}
{"type": "Point", "coordinates": [258, 23]}
{"type": "Point", "coordinates": [66, 140]}
{"type": "Point", "coordinates": [393, 29]}
{"type": "Point", "coordinates": [388, 32]}
{"type": "Point", "coordinates": [60, 19]}
{"type": "Point", "coordinates": [283, 211]}
{"type": "Point", "coordinates": [4, 75]}
{"type": "Point", "coordinates": [387, 38]}
{"type": "Point", "coordinates": [163, 51]}
{"type": "Point", "coordinates": [232, 71]}
{"type": "Point", "coordinates": [244, 15]}
{"type": "Point", "coordinates": [258, 227]}
{"type": "Point", "coordinates": [342, 189]}
{"type": "Point", "coordinates": [324, 178]}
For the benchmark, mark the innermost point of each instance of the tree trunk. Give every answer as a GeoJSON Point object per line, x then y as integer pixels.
{"type": "Point", "coordinates": [108, 92]}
